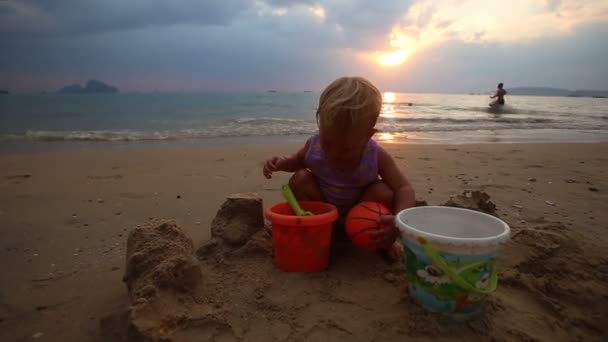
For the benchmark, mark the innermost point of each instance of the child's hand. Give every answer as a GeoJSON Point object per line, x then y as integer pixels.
{"type": "Point", "coordinates": [272, 165]}
{"type": "Point", "coordinates": [386, 237]}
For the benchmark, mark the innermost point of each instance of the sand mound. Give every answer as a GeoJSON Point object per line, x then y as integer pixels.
{"type": "Point", "coordinates": [474, 200]}
{"type": "Point", "coordinates": [161, 274]}
{"type": "Point", "coordinates": [159, 256]}
{"type": "Point", "coordinates": [238, 219]}
{"type": "Point", "coordinates": [552, 287]}
{"type": "Point", "coordinates": [557, 281]}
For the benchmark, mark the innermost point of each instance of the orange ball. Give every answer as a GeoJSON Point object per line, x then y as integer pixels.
{"type": "Point", "coordinates": [361, 220]}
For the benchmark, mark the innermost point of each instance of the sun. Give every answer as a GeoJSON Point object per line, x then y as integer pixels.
{"type": "Point", "coordinates": [394, 58]}
{"type": "Point", "coordinates": [388, 97]}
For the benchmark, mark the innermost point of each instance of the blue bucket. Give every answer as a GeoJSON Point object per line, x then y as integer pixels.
{"type": "Point", "coordinates": [451, 255]}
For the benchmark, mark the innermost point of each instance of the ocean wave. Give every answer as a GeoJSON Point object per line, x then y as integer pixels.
{"type": "Point", "coordinates": [506, 109]}
{"type": "Point", "coordinates": [438, 109]}
{"type": "Point", "coordinates": [273, 126]}
{"type": "Point", "coordinates": [244, 131]}
{"type": "Point", "coordinates": [166, 135]}
{"type": "Point", "coordinates": [244, 120]}
{"type": "Point", "coordinates": [265, 120]}
{"type": "Point", "coordinates": [393, 129]}
{"type": "Point", "coordinates": [466, 121]}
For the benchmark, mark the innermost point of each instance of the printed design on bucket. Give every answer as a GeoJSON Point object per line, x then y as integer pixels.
{"type": "Point", "coordinates": [433, 275]}
{"type": "Point", "coordinates": [435, 290]}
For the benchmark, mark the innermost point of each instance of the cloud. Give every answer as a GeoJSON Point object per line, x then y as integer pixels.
{"type": "Point", "coordinates": [281, 52]}
{"type": "Point", "coordinates": [265, 44]}
{"type": "Point", "coordinates": [552, 4]}
{"type": "Point", "coordinates": [318, 11]}
{"type": "Point", "coordinates": [431, 22]}
{"type": "Point", "coordinates": [361, 24]}
{"type": "Point", "coordinates": [575, 61]}
{"type": "Point", "coordinates": [86, 16]}
{"type": "Point", "coordinates": [19, 17]}
{"type": "Point", "coordinates": [280, 11]}
{"type": "Point", "coordinates": [289, 3]}
{"type": "Point", "coordinates": [365, 24]}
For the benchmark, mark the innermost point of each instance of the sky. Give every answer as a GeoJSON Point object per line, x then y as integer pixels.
{"type": "Point", "coordinates": [453, 46]}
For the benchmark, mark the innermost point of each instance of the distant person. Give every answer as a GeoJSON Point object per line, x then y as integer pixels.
{"type": "Point", "coordinates": [343, 165]}
{"type": "Point", "coordinates": [499, 95]}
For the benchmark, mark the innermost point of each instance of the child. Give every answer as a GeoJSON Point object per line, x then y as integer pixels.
{"type": "Point", "coordinates": [343, 165]}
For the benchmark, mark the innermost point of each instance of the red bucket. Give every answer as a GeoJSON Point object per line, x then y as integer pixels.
{"type": "Point", "coordinates": [302, 243]}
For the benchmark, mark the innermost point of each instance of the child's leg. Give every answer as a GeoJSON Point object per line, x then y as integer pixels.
{"type": "Point", "coordinates": [379, 192]}
{"type": "Point", "coordinates": [304, 186]}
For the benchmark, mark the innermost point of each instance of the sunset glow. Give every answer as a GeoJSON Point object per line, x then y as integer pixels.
{"type": "Point", "coordinates": [429, 23]}
{"type": "Point", "coordinates": [388, 107]}
{"type": "Point", "coordinates": [296, 45]}
{"type": "Point", "coordinates": [391, 59]}
{"type": "Point", "coordinates": [388, 97]}
{"type": "Point", "coordinates": [385, 137]}
{"type": "Point", "coordinates": [318, 11]}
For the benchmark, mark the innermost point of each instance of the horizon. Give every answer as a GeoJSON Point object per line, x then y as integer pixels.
{"type": "Point", "coordinates": [269, 91]}
{"type": "Point", "coordinates": [417, 46]}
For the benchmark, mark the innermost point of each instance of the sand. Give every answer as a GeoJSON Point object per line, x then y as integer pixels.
{"type": "Point", "coordinates": [65, 217]}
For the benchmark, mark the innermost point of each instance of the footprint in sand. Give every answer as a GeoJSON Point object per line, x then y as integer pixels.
{"type": "Point", "coordinates": [195, 174]}
{"type": "Point", "coordinates": [16, 179]}
{"type": "Point", "coordinates": [131, 195]}
{"type": "Point", "coordinates": [263, 188]}
{"type": "Point", "coordinates": [115, 177]}
{"type": "Point", "coordinates": [24, 176]}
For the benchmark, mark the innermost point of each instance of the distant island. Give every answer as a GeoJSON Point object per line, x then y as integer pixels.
{"type": "Point", "coordinates": [545, 91]}
{"type": "Point", "coordinates": [4, 92]}
{"type": "Point", "coordinates": [92, 87]}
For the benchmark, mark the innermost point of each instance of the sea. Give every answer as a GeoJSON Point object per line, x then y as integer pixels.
{"type": "Point", "coordinates": [51, 121]}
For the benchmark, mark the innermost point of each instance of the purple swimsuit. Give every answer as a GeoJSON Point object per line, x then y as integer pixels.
{"type": "Point", "coordinates": [343, 191]}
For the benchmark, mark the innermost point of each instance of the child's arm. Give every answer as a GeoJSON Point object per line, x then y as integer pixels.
{"type": "Point", "coordinates": [290, 163]}
{"type": "Point", "coordinates": [404, 195]}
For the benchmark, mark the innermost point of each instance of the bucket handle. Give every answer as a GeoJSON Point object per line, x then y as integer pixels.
{"type": "Point", "coordinates": [454, 277]}
{"type": "Point", "coordinates": [293, 202]}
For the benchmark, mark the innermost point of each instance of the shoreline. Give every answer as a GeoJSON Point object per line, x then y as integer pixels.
{"type": "Point", "coordinates": [548, 136]}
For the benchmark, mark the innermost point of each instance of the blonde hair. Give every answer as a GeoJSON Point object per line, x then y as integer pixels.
{"type": "Point", "coordinates": [349, 102]}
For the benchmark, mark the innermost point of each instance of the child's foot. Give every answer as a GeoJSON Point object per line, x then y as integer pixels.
{"type": "Point", "coordinates": [392, 254]}
{"type": "Point", "coordinates": [396, 250]}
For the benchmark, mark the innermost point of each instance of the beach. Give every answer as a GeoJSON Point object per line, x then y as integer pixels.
{"type": "Point", "coordinates": [134, 206]}
{"type": "Point", "coordinates": [65, 217]}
